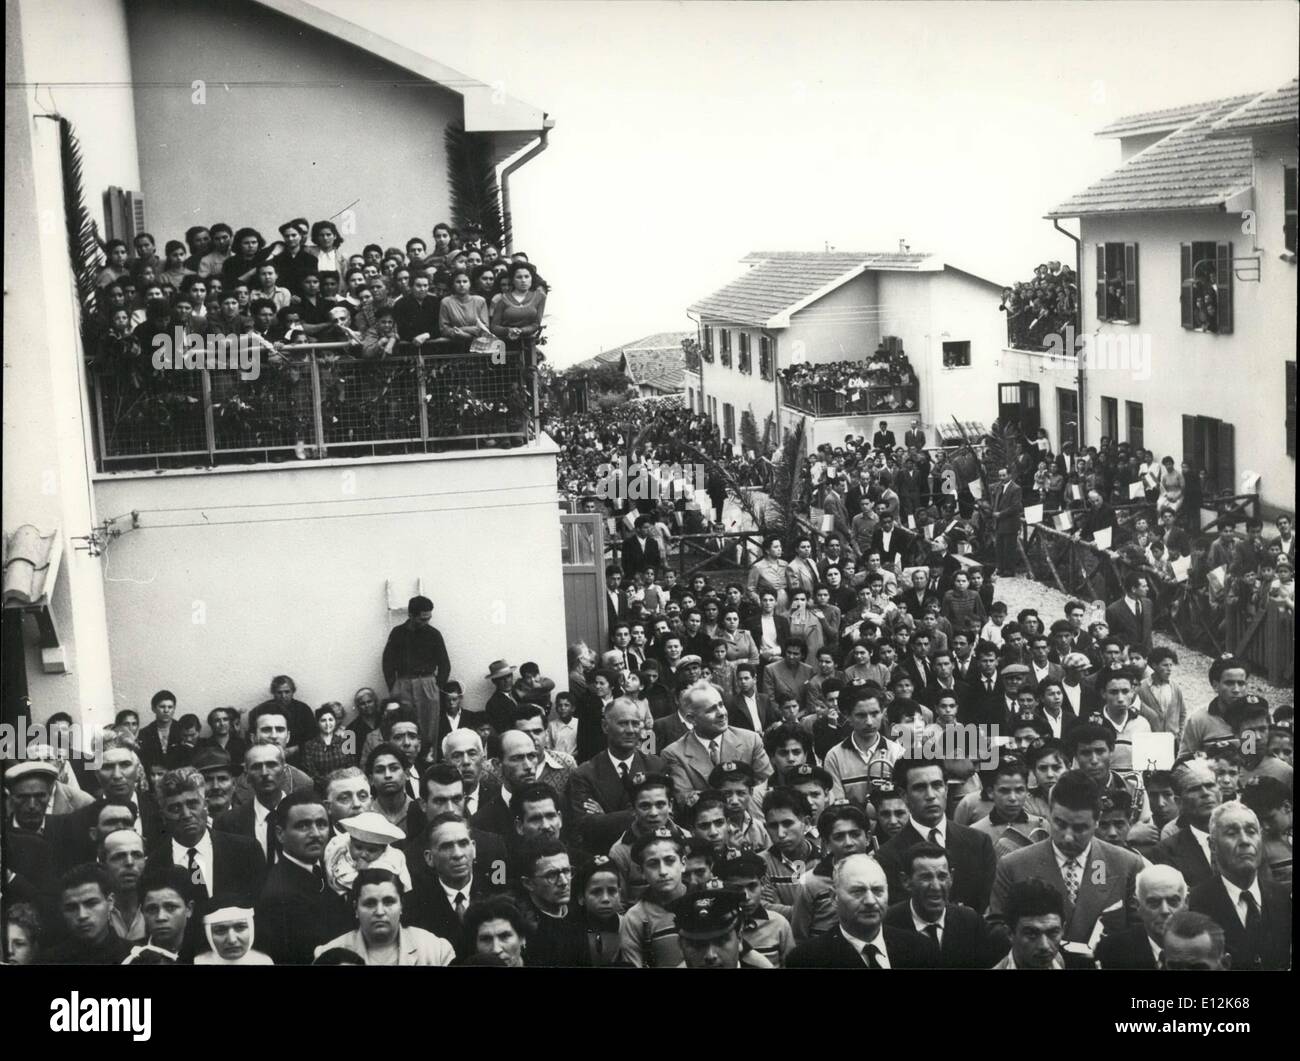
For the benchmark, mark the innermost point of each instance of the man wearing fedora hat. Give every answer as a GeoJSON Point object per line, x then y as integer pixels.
{"type": "Point", "coordinates": [502, 703]}
{"type": "Point", "coordinates": [416, 664]}
{"type": "Point", "coordinates": [219, 776]}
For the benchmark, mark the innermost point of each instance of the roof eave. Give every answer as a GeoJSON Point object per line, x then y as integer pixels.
{"type": "Point", "coordinates": [485, 109]}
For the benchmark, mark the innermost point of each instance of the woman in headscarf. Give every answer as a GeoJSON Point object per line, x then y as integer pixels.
{"type": "Point", "coordinates": [230, 931]}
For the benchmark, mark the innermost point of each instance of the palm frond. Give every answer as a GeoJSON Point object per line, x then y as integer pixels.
{"type": "Point", "coordinates": [83, 233]}
{"type": "Point", "coordinates": [788, 480]}
{"type": "Point", "coordinates": [472, 179]}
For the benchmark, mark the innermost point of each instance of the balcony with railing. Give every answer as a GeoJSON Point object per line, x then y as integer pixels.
{"type": "Point", "coordinates": [315, 401]}
{"type": "Point", "coordinates": [883, 383]}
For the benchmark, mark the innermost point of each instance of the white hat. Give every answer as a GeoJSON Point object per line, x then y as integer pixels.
{"type": "Point", "coordinates": [372, 828]}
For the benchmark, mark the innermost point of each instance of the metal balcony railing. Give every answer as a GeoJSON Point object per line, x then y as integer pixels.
{"type": "Point", "coordinates": [318, 401]}
{"type": "Point", "coordinates": [823, 401]}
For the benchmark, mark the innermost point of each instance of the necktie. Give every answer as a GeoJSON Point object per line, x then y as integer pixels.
{"type": "Point", "coordinates": [1072, 878]}
{"type": "Point", "coordinates": [988, 685]}
{"type": "Point", "coordinates": [1252, 917]}
{"type": "Point", "coordinates": [460, 906]}
{"type": "Point", "coordinates": [872, 956]}
{"type": "Point", "coordinates": [272, 845]}
{"type": "Point", "coordinates": [935, 838]}
{"type": "Point", "coordinates": [622, 772]}
{"type": "Point", "coordinates": [196, 873]}
{"type": "Point", "coordinates": [318, 873]}
{"type": "Point", "coordinates": [714, 754]}
{"type": "Point", "coordinates": [933, 932]}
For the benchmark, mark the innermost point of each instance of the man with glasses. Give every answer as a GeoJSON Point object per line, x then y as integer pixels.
{"type": "Point", "coordinates": [559, 936]}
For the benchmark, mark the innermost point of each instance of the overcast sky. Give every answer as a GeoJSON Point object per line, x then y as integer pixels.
{"type": "Point", "coordinates": [689, 134]}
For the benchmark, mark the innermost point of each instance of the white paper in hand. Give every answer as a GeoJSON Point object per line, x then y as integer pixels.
{"type": "Point", "coordinates": [1137, 490]}
{"type": "Point", "coordinates": [1033, 514]}
{"type": "Point", "coordinates": [1102, 538]}
{"type": "Point", "coordinates": [1153, 751]}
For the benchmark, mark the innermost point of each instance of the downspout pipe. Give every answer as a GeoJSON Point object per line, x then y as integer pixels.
{"type": "Point", "coordinates": [537, 148]}
{"type": "Point", "coordinates": [1079, 384]}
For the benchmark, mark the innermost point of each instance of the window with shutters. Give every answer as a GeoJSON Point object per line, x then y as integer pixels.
{"type": "Point", "coordinates": [744, 358]}
{"type": "Point", "coordinates": [765, 360]}
{"type": "Point", "coordinates": [1290, 408]}
{"type": "Point", "coordinates": [706, 351]}
{"type": "Point", "coordinates": [1206, 293]}
{"type": "Point", "coordinates": [724, 343]}
{"type": "Point", "coordinates": [1209, 447]}
{"type": "Point", "coordinates": [1117, 282]}
{"type": "Point", "coordinates": [956, 355]}
{"type": "Point", "coordinates": [729, 421]}
{"type": "Point", "coordinates": [1133, 411]}
{"type": "Point", "coordinates": [1289, 208]}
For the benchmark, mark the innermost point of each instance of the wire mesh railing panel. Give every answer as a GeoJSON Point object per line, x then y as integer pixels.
{"type": "Point", "coordinates": [274, 411]}
{"type": "Point", "coordinates": [470, 396]}
{"type": "Point", "coordinates": [370, 401]}
{"type": "Point", "coordinates": [158, 415]}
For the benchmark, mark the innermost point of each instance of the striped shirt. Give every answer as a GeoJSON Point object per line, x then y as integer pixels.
{"type": "Point", "coordinates": [770, 934]}
{"type": "Point", "coordinates": [783, 876]}
{"type": "Point", "coordinates": [648, 934]}
{"type": "Point", "coordinates": [854, 771]}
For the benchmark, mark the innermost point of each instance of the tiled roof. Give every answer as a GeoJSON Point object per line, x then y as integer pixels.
{"type": "Point", "coordinates": [1165, 121]}
{"type": "Point", "coordinates": [656, 361]}
{"type": "Point", "coordinates": [778, 280]}
{"type": "Point", "coordinates": [1184, 171]}
{"type": "Point", "coordinates": [1277, 108]}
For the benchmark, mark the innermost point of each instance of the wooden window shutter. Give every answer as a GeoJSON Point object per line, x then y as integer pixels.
{"type": "Point", "coordinates": [1131, 282]}
{"type": "Point", "coordinates": [1185, 291]}
{"type": "Point", "coordinates": [1223, 279]}
{"type": "Point", "coordinates": [1101, 282]}
{"type": "Point", "coordinates": [1189, 443]}
{"type": "Point", "coordinates": [1227, 470]}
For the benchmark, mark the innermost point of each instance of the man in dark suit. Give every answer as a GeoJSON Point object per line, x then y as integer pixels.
{"type": "Point", "coordinates": [443, 792]}
{"type": "Point", "coordinates": [1255, 915]}
{"type": "Point", "coordinates": [484, 808]}
{"type": "Point", "coordinates": [1092, 876]}
{"type": "Point", "coordinates": [217, 862]}
{"type": "Point", "coordinates": [1035, 920]}
{"type": "Point", "coordinates": [917, 666]}
{"type": "Point", "coordinates": [914, 436]}
{"type": "Point", "coordinates": [615, 598]}
{"type": "Point", "coordinates": [1187, 849]}
{"type": "Point", "coordinates": [119, 775]}
{"type": "Point", "coordinates": [297, 911]}
{"type": "Point", "coordinates": [1161, 891]}
{"type": "Point", "coordinates": [888, 539]}
{"type": "Point", "coordinates": [748, 705]}
{"type": "Point", "coordinates": [970, 853]}
{"type": "Point", "coordinates": [883, 439]}
{"type": "Point", "coordinates": [862, 939]}
{"type": "Point", "coordinates": [964, 940]}
{"type": "Point", "coordinates": [451, 875]}
{"type": "Point", "coordinates": [640, 550]}
{"type": "Point", "coordinates": [1130, 616]}
{"type": "Point", "coordinates": [599, 793]}
{"type": "Point", "coordinates": [1008, 509]}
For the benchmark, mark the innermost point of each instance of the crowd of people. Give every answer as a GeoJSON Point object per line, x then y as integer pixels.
{"type": "Point", "coordinates": [458, 294]}
{"type": "Point", "coordinates": [1049, 305]}
{"type": "Point", "coordinates": [882, 383]}
{"type": "Point", "coordinates": [824, 764]}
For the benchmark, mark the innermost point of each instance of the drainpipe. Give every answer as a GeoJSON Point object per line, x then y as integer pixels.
{"type": "Point", "coordinates": [699, 338]}
{"type": "Point", "coordinates": [528, 156]}
{"type": "Point", "coordinates": [1078, 273]}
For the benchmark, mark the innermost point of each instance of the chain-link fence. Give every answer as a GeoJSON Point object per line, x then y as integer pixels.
{"type": "Point", "coordinates": [312, 401]}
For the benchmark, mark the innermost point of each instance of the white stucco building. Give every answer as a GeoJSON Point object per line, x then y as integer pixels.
{"type": "Point", "coordinates": [209, 580]}
{"type": "Point", "coordinates": [1189, 262]}
{"type": "Point", "coordinates": [791, 307]}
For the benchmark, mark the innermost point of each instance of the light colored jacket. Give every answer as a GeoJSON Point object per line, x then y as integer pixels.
{"type": "Point", "coordinates": [415, 946]}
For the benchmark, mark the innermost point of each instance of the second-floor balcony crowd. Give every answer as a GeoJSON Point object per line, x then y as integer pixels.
{"type": "Point", "coordinates": [884, 383]}
{"type": "Point", "coordinates": [230, 348]}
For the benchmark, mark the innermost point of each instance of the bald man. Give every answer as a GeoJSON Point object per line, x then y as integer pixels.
{"type": "Point", "coordinates": [861, 939]}
{"type": "Point", "coordinates": [1161, 892]}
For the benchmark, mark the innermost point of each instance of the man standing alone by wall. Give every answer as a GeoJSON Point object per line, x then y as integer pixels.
{"type": "Point", "coordinates": [416, 664]}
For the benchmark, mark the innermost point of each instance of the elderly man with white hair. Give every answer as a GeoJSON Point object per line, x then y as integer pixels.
{"type": "Point", "coordinates": [1161, 892]}
{"type": "Point", "coordinates": [862, 939]}
{"type": "Point", "coordinates": [484, 807]}
{"type": "Point", "coordinates": [690, 759]}
{"type": "Point", "coordinates": [1255, 915]}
